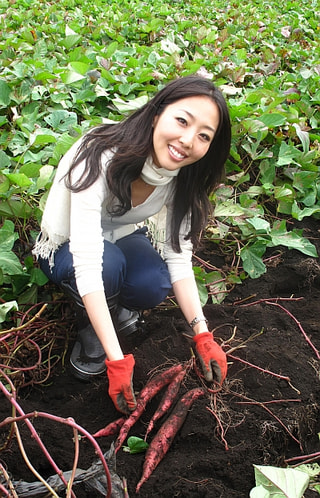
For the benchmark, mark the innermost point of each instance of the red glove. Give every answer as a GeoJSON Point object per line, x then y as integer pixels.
{"type": "Point", "coordinates": [212, 357]}
{"type": "Point", "coordinates": [120, 374]}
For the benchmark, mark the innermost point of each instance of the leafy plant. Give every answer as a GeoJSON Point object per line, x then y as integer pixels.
{"type": "Point", "coordinates": [64, 70]}
{"type": "Point", "coordinates": [313, 471]}
{"type": "Point", "coordinates": [274, 481]}
{"type": "Point", "coordinates": [18, 281]}
{"type": "Point", "coordinates": [285, 482]}
{"type": "Point", "coordinates": [135, 445]}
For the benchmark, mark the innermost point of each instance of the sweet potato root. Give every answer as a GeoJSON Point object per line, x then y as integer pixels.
{"type": "Point", "coordinates": [167, 400]}
{"type": "Point", "coordinates": [146, 394]}
{"type": "Point", "coordinates": [111, 429]}
{"type": "Point", "coordinates": [164, 437]}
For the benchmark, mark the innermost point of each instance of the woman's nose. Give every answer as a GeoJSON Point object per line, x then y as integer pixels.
{"type": "Point", "coordinates": [187, 139]}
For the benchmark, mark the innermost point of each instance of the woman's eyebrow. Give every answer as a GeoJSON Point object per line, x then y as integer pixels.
{"type": "Point", "coordinates": [192, 116]}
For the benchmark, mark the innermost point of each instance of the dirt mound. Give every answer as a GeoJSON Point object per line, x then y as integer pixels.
{"type": "Point", "coordinates": [260, 418]}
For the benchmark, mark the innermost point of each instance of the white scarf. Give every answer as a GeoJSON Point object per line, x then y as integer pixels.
{"type": "Point", "coordinates": [155, 176]}
{"type": "Point", "coordinates": [156, 224]}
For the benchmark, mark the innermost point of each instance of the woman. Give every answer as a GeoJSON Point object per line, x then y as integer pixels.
{"type": "Point", "coordinates": [170, 155]}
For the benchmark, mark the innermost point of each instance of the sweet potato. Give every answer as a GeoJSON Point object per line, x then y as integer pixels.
{"type": "Point", "coordinates": [111, 429]}
{"type": "Point", "coordinates": [167, 400]}
{"type": "Point", "coordinates": [146, 394]}
{"type": "Point", "coordinates": [164, 437]}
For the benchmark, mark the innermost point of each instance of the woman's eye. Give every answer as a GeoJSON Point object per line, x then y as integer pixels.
{"type": "Point", "coordinates": [205, 137]}
{"type": "Point", "coordinates": [182, 121]}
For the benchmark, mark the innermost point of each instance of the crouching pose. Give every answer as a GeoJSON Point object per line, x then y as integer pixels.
{"type": "Point", "coordinates": [165, 158]}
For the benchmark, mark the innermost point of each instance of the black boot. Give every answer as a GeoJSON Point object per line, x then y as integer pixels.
{"type": "Point", "coordinates": [129, 326]}
{"type": "Point", "coordinates": [88, 356]}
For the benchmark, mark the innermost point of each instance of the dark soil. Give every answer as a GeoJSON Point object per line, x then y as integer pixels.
{"type": "Point", "coordinates": [199, 463]}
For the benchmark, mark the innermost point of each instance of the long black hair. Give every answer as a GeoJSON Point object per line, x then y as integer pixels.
{"type": "Point", "coordinates": [132, 142]}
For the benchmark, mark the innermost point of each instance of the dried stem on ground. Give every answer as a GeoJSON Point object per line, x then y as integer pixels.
{"type": "Point", "coordinates": [30, 351]}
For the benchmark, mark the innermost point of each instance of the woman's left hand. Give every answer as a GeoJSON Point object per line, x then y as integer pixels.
{"type": "Point", "coordinates": [212, 357]}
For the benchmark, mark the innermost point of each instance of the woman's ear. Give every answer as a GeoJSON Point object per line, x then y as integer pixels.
{"type": "Point", "coordinates": [155, 120]}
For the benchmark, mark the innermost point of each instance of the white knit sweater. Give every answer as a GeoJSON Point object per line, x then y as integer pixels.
{"type": "Point", "coordinates": [82, 219]}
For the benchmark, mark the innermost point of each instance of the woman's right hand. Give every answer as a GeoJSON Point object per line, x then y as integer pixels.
{"type": "Point", "coordinates": [120, 373]}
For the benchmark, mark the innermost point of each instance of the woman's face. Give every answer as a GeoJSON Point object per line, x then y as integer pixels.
{"type": "Point", "coordinates": [184, 131]}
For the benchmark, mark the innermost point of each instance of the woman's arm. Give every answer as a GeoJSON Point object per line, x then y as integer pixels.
{"type": "Point", "coordinates": [186, 293]}
{"type": "Point", "coordinates": [212, 358]}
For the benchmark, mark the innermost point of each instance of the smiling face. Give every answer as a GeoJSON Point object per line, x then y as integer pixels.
{"type": "Point", "coordinates": [184, 131]}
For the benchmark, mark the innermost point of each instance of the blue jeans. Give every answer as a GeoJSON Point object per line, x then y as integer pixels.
{"type": "Point", "coordinates": [132, 270]}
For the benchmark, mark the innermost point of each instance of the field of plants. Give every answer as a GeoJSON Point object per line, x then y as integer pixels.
{"type": "Point", "coordinates": [68, 65]}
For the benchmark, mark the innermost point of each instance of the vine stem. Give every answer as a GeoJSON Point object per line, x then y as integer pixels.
{"type": "Point", "coordinates": [264, 300]}
{"type": "Point", "coordinates": [11, 493]}
{"type": "Point", "coordinates": [299, 325]}
{"type": "Point", "coordinates": [75, 462]}
{"type": "Point", "coordinates": [274, 302]}
{"type": "Point", "coordinates": [304, 458]}
{"type": "Point", "coordinates": [25, 325]}
{"type": "Point", "coordinates": [279, 376]}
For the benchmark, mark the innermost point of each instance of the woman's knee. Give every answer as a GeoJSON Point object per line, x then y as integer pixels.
{"type": "Point", "coordinates": [147, 289]}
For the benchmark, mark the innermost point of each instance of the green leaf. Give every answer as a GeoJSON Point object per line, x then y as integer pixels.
{"type": "Point", "coordinates": [130, 105]}
{"type": "Point", "coordinates": [10, 264]}
{"type": "Point", "coordinates": [226, 209]}
{"type": "Point", "coordinates": [303, 180]}
{"type": "Point", "coordinates": [299, 214]}
{"type": "Point", "coordinates": [70, 40]}
{"type": "Point", "coordinates": [6, 308]}
{"type": "Point", "coordinates": [251, 257]}
{"type": "Point", "coordinates": [4, 186]}
{"type": "Point", "coordinates": [15, 209]}
{"type": "Point", "coordinates": [135, 445]}
{"type": "Point", "coordinates": [304, 137]}
{"type": "Point", "coordinates": [46, 175]}
{"type": "Point", "coordinates": [259, 224]}
{"type": "Point", "coordinates": [287, 154]}
{"type": "Point", "coordinates": [19, 179]}
{"type": "Point", "coordinates": [5, 92]}
{"type": "Point", "coordinates": [261, 492]}
{"type": "Point", "coordinates": [7, 236]}
{"type": "Point", "coordinates": [200, 277]}
{"type": "Point", "coordinates": [278, 482]}
{"type": "Point", "coordinates": [112, 47]}
{"type": "Point", "coordinates": [4, 159]}
{"type": "Point", "coordinates": [312, 469]}
{"type": "Point", "coordinates": [42, 139]}
{"type": "Point", "coordinates": [217, 286]}
{"type": "Point", "coordinates": [169, 47]}
{"type": "Point", "coordinates": [80, 67]}
{"type": "Point", "coordinates": [273, 120]}
{"type": "Point", "coordinates": [64, 142]}
{"type": "Point", "coordinates": [292, 240]}
{"type": "Point", "coordinates": [61, 120]}
{"type": "Point", "coordinates": [38, 277]}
